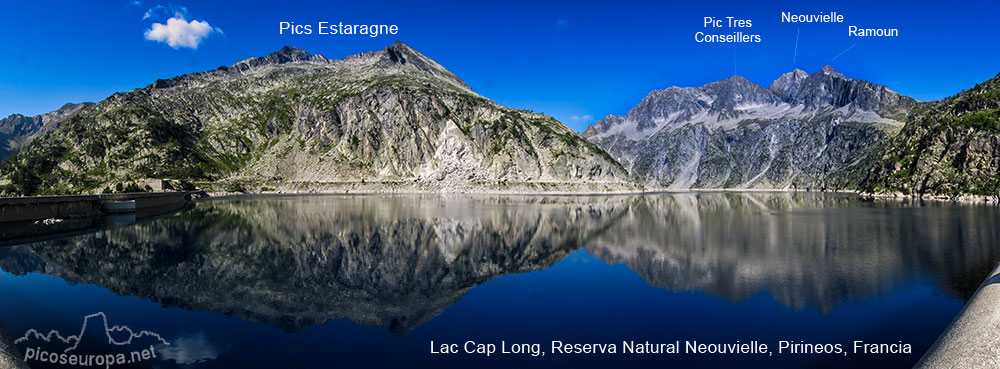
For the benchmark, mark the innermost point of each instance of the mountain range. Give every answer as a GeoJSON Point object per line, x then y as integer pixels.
{"type": "Point", "coordinates": [395, 120]}
{"type": "Point", "coordinates": [804, 130]}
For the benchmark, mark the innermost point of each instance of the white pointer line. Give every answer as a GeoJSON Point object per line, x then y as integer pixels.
{"type": "Point", "coordinates": [842, 52]}
{"type": "Point", "coordinates": [795, 55]}
{"type": "Point", "coordinates": [734, 61]}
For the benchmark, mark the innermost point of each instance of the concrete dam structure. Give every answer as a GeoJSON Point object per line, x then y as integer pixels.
{"type": "Point", "coordinates": [31, 219]}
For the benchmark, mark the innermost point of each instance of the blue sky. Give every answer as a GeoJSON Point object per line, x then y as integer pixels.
{"type": "Point", "coordinates": [575, 60]}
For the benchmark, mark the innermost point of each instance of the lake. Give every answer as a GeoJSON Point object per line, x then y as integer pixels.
{"type": "Point", "coordinates": [373, 280]}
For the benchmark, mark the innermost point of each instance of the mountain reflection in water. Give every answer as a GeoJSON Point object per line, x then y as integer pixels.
{"type": "Point", "coordinates": [398, 261]}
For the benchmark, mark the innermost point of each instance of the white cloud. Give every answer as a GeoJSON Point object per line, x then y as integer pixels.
{"type": "Point", "coordinates": [179, 33]}
{"type": "Point", "coordinates": [582, 118]}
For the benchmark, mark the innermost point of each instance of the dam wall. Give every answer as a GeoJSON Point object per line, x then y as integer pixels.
{"type": "Point", "coordinates": [972, 341]}
{"type": "Point", "coordinates": [21, 209]}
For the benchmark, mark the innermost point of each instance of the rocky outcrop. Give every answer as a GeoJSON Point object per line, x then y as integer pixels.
{"type": "Point", "coordinates": [802, 131]}
{"type": "Point", "coordinates": [389, 116]}
{"type": "Point", "coordinates": [949, 147]}
{"type": "Point", "coordinates": [16, 131]}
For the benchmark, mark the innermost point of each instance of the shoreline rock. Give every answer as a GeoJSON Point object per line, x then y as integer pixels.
{"type": "Point", "coordinates": [965, 198]}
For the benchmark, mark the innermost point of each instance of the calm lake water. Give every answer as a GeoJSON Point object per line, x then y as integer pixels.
{"type": "Point", "coordinates": [370, 281]}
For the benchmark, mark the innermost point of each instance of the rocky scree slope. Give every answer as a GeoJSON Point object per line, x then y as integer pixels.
{"type": "Point", "coordinates": [948, 147]}
{"type": "Point", "coordinates": [802, 131]}
{"type": "Point", "coordinates": [389, 116]}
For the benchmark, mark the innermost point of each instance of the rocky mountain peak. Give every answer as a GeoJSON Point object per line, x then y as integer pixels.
{"type": "Point", "coordinates": [788, 83]}
{"type": "Point", "coordinates": [399, 52]}
{"type": "Point", "coordinates": [10, 118]}
{"type": "Point", "coordinates": [736, 83]}
{"type": "Point", "coordinates": [797, 73]}
{"type": "Point", "coordinates": [829, 71]}
{"type": "Point", "coordinates": [287, 54]}
{"type": "Point", "coordinates": [830, 88]}
{"type": "Point", "coordinates": [66, 110]}
{"type": "Point", "coordinates": [736, 78]}
{"type": "Point", "coordinates": [734, 93]}
{"type": "Point", "coordinates": [402, 55]}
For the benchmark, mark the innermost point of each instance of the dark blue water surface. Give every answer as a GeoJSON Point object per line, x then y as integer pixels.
{"type": "Point", "coordinates": [371, 281]}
